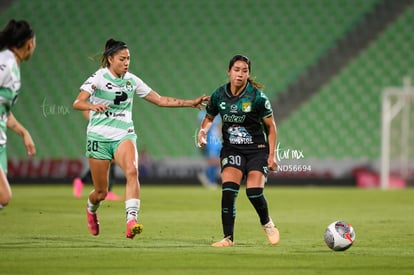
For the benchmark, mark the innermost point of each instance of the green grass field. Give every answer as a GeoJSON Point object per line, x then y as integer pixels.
{"type": "Point", "coordinates": [43, 231]}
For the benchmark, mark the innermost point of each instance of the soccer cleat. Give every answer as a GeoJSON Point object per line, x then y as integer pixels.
{"type": "Point", "coordinates": [93, 224]}
{"type": "Point", "coordinates": [223, 243]}
{"type": "Point", "coordinates": [133, 228]}
{"type": "Point", "coordinates": [77, 187]}
{"type": "Point", "coordinates": [272, 232]}
{"type": "Point", "coordinates": [111, 196]}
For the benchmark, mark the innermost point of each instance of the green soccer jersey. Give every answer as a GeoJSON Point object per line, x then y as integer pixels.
{"type": "Point", "coordinates": [118, 94]}
{"type": "Point", "coordinates": [9, 89]}
{"type": "Point", "coordinates": [241, 116]}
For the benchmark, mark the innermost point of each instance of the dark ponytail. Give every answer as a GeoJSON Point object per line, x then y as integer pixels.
{"type": "Point", "coordinates": [15, 34]}
{"type": "Point", "coordinates": [111, 47]}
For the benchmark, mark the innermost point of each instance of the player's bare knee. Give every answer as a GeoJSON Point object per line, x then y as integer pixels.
{"type": "Point", "coordinates": [131, 172]}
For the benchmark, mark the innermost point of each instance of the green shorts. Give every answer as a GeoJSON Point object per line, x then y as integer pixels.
{"type": "Point", "coordinates": [105, 149]}
{"type": "Point", "coordinates": [3, 158]}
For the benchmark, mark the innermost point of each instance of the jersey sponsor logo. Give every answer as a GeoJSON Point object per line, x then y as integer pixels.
{"type": "Point", "coordinates": [120, 97]}
{"type": "Point", "coordinates": [233, 108]}
{"type": "Point", "coordinates": [234, 118]}
{"type": "Point", "coordinates": [239, 135]}
{"type": "Point", "coordinates": [109, 86]}
{"type": "Point", "coordinates": [111, 114]}
{"type": "Point", "coordinates": [223, 105]}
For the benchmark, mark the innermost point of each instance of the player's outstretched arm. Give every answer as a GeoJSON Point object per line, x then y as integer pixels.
{"type": "Point", "coordinates": [166, 101]}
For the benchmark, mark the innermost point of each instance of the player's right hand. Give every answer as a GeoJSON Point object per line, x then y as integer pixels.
{"type": "Point", "coordinates": [99, 108]}
{"type": "Point", "coordinates": [202, 138]}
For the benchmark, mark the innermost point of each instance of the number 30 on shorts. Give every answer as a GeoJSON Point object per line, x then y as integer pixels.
{"type": "Point", "coordinates": [234, 160]}
{"type": "Point", "coordinates": [92, 145]}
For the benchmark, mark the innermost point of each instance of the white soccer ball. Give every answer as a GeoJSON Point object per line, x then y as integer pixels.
{"type": "Point", "coordinates": [339, 236]}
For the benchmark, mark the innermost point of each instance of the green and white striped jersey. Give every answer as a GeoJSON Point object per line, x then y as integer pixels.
{"type": "Point", "coordinates": [118, 94]}
{"type": "Point", "coordinates": [9, 87]}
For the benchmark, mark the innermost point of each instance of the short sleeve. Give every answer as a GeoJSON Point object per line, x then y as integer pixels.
{"type": "Point", "coordinates": [142, 89]}
{"type": "Point", "coordinates": [265, 107]}
{"type": "Point", "coordinates": [212, 105]}
{"type": "Point", "coordinates": [90, 84]}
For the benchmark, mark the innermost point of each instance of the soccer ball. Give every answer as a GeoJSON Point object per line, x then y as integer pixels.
{"type": "Point", "coordinates": [339, 236]}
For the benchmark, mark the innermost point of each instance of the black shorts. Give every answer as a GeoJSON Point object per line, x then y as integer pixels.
{"type": "Point", "coordinates": [245, 161]}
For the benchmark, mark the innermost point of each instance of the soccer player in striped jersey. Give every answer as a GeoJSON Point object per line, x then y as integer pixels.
{"type": "Point", "coordinates": [249, 140]}
{"type": "Point", "coordinates": [17, 44]}
{"type": "Point", "coordinates": [108, 95]}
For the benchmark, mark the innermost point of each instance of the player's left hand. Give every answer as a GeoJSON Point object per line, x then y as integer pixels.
{"type": "Point", "coordinates": [200, 101]}
{"type": "Point", "coordinates": [271, 164]}
{"type": "Point", "coordinates": [29, 144]}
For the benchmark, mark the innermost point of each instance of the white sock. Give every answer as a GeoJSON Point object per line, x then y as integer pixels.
{"type": "Point", "coordinates": [92, 208]}
{"type": "Point", "coordinates": [132, 209]}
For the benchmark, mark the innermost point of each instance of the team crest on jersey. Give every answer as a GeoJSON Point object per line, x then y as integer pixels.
{"type": "Point", "coordinates": [247, 107]}
{"type": "Point", "coordinates": [128, 86]}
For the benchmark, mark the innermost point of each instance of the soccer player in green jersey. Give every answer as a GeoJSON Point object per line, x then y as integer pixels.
{"type": "Point", "coordinates": [17, 44]}
{"type": "Point", "coordinates": [108, 95]}
{"type": "Point", "coordinates": [249, 140]}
